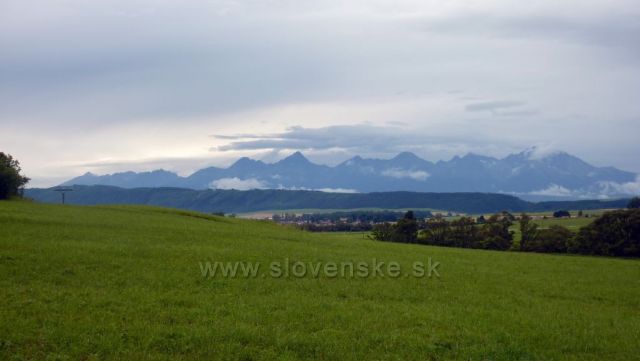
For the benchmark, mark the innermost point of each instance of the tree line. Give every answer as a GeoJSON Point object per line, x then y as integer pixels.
{"type": "Point", "coordinates": [615, 233]}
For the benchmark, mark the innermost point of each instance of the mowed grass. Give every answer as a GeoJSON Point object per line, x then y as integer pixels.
{"type": "Point", "coordinates": [125, 283]}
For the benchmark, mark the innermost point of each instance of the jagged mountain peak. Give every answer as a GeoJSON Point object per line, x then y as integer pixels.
{"type": "Point", "coordinates": [404, 156]}
{"type": "Point", "coordinates": [356, 161]}
{"type": "Point", "coordinates": [160, 171]}
{"type": "Point", "coordinates": [409, 160]}
{"type": "Point", "coordinates": [245, 161]}
{"type": "Point", "coordinates": [294, 158]}
{"type": "Point", "coordinates": [475, 156]}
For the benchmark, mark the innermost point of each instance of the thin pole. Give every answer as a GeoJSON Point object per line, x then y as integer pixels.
{"type": "Point", "coordinates": [63, 193]}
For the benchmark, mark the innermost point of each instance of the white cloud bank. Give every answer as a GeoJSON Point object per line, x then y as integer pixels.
{"type": "Point", "coordinates": [541, 152]}
{"type": "Point", "coordinates": [553, 190]}
{"type": "Point", "coordinates": [237, 183]}
{"type": "Point", "coordinates": [632, 188]}
{"type": "Point", "coordinates": [399, 173]}
{"type": "Point", "coordinates": [601, 190]}
{"type": "Point", "coordinates": [254, 183]}
{"type": "Point", "coordinates": [337, 190]}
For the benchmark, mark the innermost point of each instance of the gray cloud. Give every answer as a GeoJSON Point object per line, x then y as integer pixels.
{"type": "Point", "coordinates": [132, 61]}
{"type": "Point", "coordinates": [615, 31]}
{"type": "Point", "coordinates": [363, 137]}
{"type": "Point", "coordinates": [493, 105]}
{"type": "Point", "coordinates": [519, 113]}
{"type": "Point", "coordinates": [367, 140]}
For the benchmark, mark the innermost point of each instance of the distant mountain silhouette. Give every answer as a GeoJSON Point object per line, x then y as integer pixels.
{"type": "Point", "coordinates": [528, 174]}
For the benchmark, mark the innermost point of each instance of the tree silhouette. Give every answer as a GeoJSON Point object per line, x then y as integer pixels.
{"type": "Point", "coordinates": [11, 181]}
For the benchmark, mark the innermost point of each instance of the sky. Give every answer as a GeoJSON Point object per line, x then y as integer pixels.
{"type": "Point", "coordinates": [107, 86]}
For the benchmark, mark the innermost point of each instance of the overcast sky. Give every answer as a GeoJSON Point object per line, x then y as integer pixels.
{"type": "Point", "coordinates": [106, 86]}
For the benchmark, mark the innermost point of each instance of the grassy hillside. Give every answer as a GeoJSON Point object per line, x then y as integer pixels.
{"type": "Point", "coordinates": [124, 282]}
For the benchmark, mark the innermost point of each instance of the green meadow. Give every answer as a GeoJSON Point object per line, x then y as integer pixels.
{"type": "Point", "coordinates": [572, 224]}
{"type": "Point", "coordinates": [125, 282]}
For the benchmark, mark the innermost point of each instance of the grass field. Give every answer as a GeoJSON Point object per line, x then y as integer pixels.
{"type": "Point", "coordinates": [573, 224]}
{"type": "Point", "coordinates": [125, 282]}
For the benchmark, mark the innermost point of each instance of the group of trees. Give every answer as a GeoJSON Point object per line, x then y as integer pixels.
{"type": "Point", "coordinates": [405, 230]}
{"type": "Point", "coordinates": [554, 239]}
{"type": "Point", "coordinates": [615, 233]}
{"type": "Point", "coordinates": [11, 181]}
{"type": "Point", "coordinates": [337, 227]}
{"type": "Point", "coordinates": [464, 232]}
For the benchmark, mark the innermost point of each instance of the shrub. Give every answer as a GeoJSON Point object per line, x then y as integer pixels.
{"type": "Point", "coordinates": [551, 240]}
{"type": "Point", "coordinates": [383, 232]}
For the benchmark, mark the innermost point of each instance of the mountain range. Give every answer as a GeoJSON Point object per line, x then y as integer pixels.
{"type": "Point", "coordinates": [528, 174]}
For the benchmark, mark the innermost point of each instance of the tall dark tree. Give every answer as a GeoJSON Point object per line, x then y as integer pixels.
{"type": "Point", "coordinates": [496, 233]}
{"type": "Point", "coordinates": [464, 233]}
{"type": "Point", "coordinates": [508, 216]}
{"type": "Point", "coordinates": [407, 228]}
{"type": "Point", "coordinates": [437, 231]}
{"type": "Point", "coordinates": [528, 231]}
{"type": "Point", "coordinates": [11, 181]}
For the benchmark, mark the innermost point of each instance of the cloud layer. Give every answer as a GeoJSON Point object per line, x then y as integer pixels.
{"type": "Point", "coordinates": [120, 83]}
{"type": "Point", "coordinates": [237, 183]}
